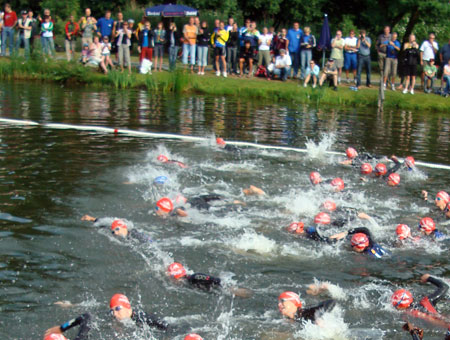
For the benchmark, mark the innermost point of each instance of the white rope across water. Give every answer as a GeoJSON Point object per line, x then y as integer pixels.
{"type": "Point", "coordinates": [135, 133]}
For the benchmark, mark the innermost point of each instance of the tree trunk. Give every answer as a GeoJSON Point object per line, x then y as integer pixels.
{"type": "Point", "coordinates": [415, 14]}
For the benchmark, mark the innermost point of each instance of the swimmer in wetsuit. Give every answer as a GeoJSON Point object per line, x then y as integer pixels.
{"type": "Point", "coordinates": [230, 148]}
{"type": "Point", "coordinates": [402, 299]}
{"type": "Point", "coordinates": [339, 216]}
{"type": "Point", "coordinates": [362, 242]}
{"type": "Point", "coordinates": [118, 228]}
{"type": "Point", "coordinates": [337, 184]}
{"type": "Point", "coordinates": [355, 159]}
{"type": "Point", "coordinates": [164, 159]}
{"type": "Point", "coordinates": [290, 306]}
{"type": "Point", "coordinates": [55, 333]}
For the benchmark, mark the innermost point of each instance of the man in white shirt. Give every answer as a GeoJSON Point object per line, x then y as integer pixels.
{"type": "Point", "coordinates": [428, 51]}
{"type": "Point", "coordinates": [350, 55]}
{"type": "Point", "coordinates": [282, 65]}
{"type": "Point", "coordinates": [264, 41]}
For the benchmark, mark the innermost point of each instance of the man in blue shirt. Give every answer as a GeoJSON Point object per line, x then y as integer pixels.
{"type": "Point", "coordinates": [390, 68]}
{"type": "Point", "coordinates": [363, 45]}
{"type": "Point", "coordinates": [294, 34]}
{"type": "Point", "coordinates": [105, 26]}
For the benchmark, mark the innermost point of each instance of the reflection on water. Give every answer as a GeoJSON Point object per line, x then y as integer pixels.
{"type": "Point", "coordinates": [424, 135]}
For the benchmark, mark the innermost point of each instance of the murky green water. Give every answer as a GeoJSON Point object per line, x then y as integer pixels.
{"type": "Point", "coordinates": [49, 178]}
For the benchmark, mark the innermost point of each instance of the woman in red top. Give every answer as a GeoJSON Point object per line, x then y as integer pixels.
{"type": "Point", "coordinates": [8, 32]}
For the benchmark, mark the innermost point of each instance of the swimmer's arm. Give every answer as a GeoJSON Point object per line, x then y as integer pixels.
{"type": "Point", "coordinates": [425, 195]}
{"type": "Point", "coordinates": [346, 162]}
{"type": "Point", "coordinates": [441, 290]}
{"type": "Point", "coordinates": [181, 212]}
{"type": "Point", "coordinates": [99, 222]}
{"type": "Point", "coordinates": [81, 321]}
{"type": "Point", "coordinates": [252, 190]}
{"type": "Point", "coordinates": [416, 333]}
{"type": "Point", "coordinates": [316, 289]}
{"type": "Point", "coordinates": [140, 236]}
{"type": "Point", "coordinates": [152, 321]}
{"type": "Point", "coordinates": [89, 218]}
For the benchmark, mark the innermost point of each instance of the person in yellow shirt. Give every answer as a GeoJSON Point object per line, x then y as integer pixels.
{"type": "Point", "coordinates": [219, 40]}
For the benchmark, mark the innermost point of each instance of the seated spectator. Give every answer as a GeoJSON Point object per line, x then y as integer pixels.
{"type": "Point", "coordinates": [85, 54]}
{"type": "Point", "coordinates": [283, 64]}
{"type": "Point", "coordinates": [106, 54]}
{"type": "Point", "coordinates": [329, 73]}
{"type": "Point", "coordinates": [430, 71]}
{"type": "Point", "coordinates": [312, 72]}
{"type": "Point", "coordinates": [246, 56]}
{"type": "Point", "coordinates": [95, 52]}
{"type": "Point", "coordinates": [446, 76]}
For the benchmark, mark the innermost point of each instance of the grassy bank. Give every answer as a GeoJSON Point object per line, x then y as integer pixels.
{"type": "Point", "coordinates": [181, 82]}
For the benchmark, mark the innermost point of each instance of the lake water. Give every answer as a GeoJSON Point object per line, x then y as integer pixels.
{"type": "Point", "coordinates": [50, 177]}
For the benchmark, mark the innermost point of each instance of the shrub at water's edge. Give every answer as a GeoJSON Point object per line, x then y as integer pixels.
{"type": "Point", "coordinates": [183, 82]}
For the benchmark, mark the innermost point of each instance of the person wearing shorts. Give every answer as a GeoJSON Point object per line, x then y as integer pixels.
{"type": "Point", "coordinates": [337, 52]}
{"type": "Point", "coordinates": [411, 59]}
{"type": "Point", "coordinates": [246, 56]}
{"type": "Point", "coordinates": [159, 39]}
{"type": "Point", "coordinates": [312, 72]}
{"type": "Point", "coordinates": [350, 55]}
{"type": "Point", "coordinates": [219, 39]}
{"type": "Point", "coordinates": [145, 45]}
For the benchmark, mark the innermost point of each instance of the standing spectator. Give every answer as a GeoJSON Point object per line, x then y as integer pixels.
{"type": "Point", "coordinates": [430, 71]}
{"type": "Point", "coordinates": [105, 26]}
{"type": "Point", "coordinates": [197, 21]}
{"type": "Point", "coordinates": [231, 22]}
{"type": "Point", "coordinates": [446, 77]}
{"type": "Point", "coordinates": [133, 35]}
{"type": "Point", "coordinates": [106, 54]}
{"type": "Point", "coordinates": [350, 55]}
{"type": "Point", "coordinates": [307, 43]}
{"type": "Point", "coordinates": [8, 30]}
{"type": "Point", "coordinates": [363, 46]}
{"type": "Point", "coordinates": [242, 32]}
{"type": "Point", "coordinates": [85, 54]}
{"type": "Point", "coordinates": [264, 41]}
{"type": "Point", "coordinates": [160, 40]}
{"type": "Point", "coordinates": [445, 53]}
{"type": "Point", "coordinates": [391, 63]}
{"type": "Point", "coordinates": [337, 52]}
{"type": "Point", "coordinates": [140, 27]}
{"type": "Point", "coordinates": [190, 32]}
{"type": "Point", "coordinates": [329, 72]}
{"type": "Point", "coordinates": [232, 45]}
{"type": "Point", "coordinates": [71, 30]}
{"type": "Point", "coordinates": [24, 24]}
{"type": "Point", "coordinates": [382, 42]}
{"type": "Point", "coordinates": [428, 51]}
{"type": "Point", "coordinates": [174, 45]}
{"type": "Point", "coordinates": [123, 44]}
{"type": "Point", "coordinates": [294, 35]}
{"type": "Point", "coordinates": [118, 24]}
{"type": "Point", "coordinates": [1, 26]}
{"type": "Point", "coordinates": [411, 59]}
{"type": "Point", "coordinates": [35, 28]}
{"type": "Point", "coordinates": [283, 64]}
{"type": "Point", "coordinates": [88, 26]}
{"type": "Point", "coordinates": [312, 72]}
{"type": "Point", "coordinates": [145, 44]}
{"type": "Point", "coordinates": [48, 45]}
{"type": "Point", "coordinates": [203, 41]}
{"type": "Point", "coordinates": [219, 40]}
{"type": "Point", "coordinates": [251, 34]}
{"type": "Point", "coordinates": [246, 57]}
{"type": "Point", "coordinates": [282, 42]}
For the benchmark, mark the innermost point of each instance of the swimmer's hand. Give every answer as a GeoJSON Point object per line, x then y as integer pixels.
{"type": "Point", "coordinates": [394, 158]}
{"type": "Point", "coordinates": [339, 236]}
{"type": "Point", "coordinates": [364, 179]}
{"type": "Point", "coordinates": [181, 212]}
{"type": "Point", "coordinates": [425, 195]}
{"type": "Point", "coordinates": [424, 278]}
{"type": "Point", "coordinates": [252, 190]}
{"type": "Point", "coordinates": [88, 218]}
{"type": "Point", "coordinates": [64, 304]}
{"type": "Point", "coordinates": [316, 289]}
{"type": "Point", "coordinates": [413, 330]}
{"type": "Point", "coordinates": [363, 216]}
{"type": "Point", "coordinates": [237, 202]}
{"type": "Point", "coordinates": [53, 330]}
{"type": "Point", "coordinates": [346, 162]}
{"type": "Point", "coordinates": [128, 183]}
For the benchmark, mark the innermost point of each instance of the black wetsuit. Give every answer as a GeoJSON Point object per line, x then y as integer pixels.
{"type": "Point", "coordinates": [428, 303]}
{"type": "Point", "coordinates": [83, 322]}
{"type": "Point", "coordinates": [142, 318]}
{"type": "Point", "coordinates": [133, 234]}
{"type": "Point", "coordinates": [364, 158]}
{"type": "Point", "coordinates": [312, 313]}
{"type": "Point", "coordinates": [232, 148]}
{"type": "Point", "coordinates": [395, 168]}
{"type": "Point", "coordinates": [344, 216]}
{"type": "Point", "coordinates": [313, 234]}
{"type": "Point", "coordinates": [203, 281]}
{"type": "Point", "coordinates": [202, 201]}
{"type": "Point", "coordinates": [373, 248]}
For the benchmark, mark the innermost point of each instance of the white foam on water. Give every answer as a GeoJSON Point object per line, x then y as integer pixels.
{"type": "Point", "coordinates": [320, 150]}
{"type": "Point", "coordinates": [330, 326]}
{"type": "Point", "coordinates": [335, 291]}
{"type": "Point", "coordinates": [250, 241]}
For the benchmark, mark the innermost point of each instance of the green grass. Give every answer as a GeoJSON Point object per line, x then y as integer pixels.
{"type": "Point", "coordinates": [37, 68]}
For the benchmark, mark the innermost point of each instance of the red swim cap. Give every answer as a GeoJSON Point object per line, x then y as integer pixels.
{"type": "Point", "coordinates": [442, 195]}
{"type": "Point", "coordinates": [291, 296]}
{"type": "Point", "coordinates": [118, 224]}
{"type": "Point", "coordinates": [360, 241]}
{"type": "Point", "coordinates": [403, 231]}
{"type": "Point", "coordinates": [315, 177]}
{"type": "Point", "coordinates": [322, 218]}
{"type": "Point", "coordinates": [165, 204]}
{"type": "Point", "coordinates": [394, 179]}
{"type": "Point", "coordinates": [329, 205]}
{"type": "Point", "coordinates": [351, 153]}
{"type": "Point", "coordinates": [162, 158]}
{"type": "Point", "coordinates": [119, 300]}
{"type": "Point", "coordinates": [296, 227]}
{"type": "Point", "coordinates": [338, 184]}
{"type": "Point", "coordinates": [193, 336]}
{"type": "Point", "coordinates": [220, 141]}
{"type": "Point", "coordinates": [402, 299]}
{"type": "Point", "coordinates": [366, 169]}
{"type": "Point", "coordinates": [427, 225]}
{"type": "Point", "coordinates": [55, 336]}
{"type": "Point", "coordinates": [410, 162]}
{"type": "Point", "coordinates": [176, 270]}
{"type": "Point", "coordinates": [380, 169]}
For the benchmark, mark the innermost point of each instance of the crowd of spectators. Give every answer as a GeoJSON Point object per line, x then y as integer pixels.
{"type": "Point", "coordinates": [240, 51]}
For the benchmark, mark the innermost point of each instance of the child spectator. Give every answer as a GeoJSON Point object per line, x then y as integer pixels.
{"type": "Point", "coordinates": [85, 54]}
{"type": "Point", "coordinates": [430, 75]}
{"type": "Point", "coordinates": [446, 77]}
{"type": "Point", "coordinates": [145, 44]}
{"type": "Point", "coordinates": [246, 57]}
{"type": "Point", "coordinates": [106, 54]}
{"type": "Point", "coordinates": [312, 72]}
{"type": "Point", "coordinates": [48, 45]}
